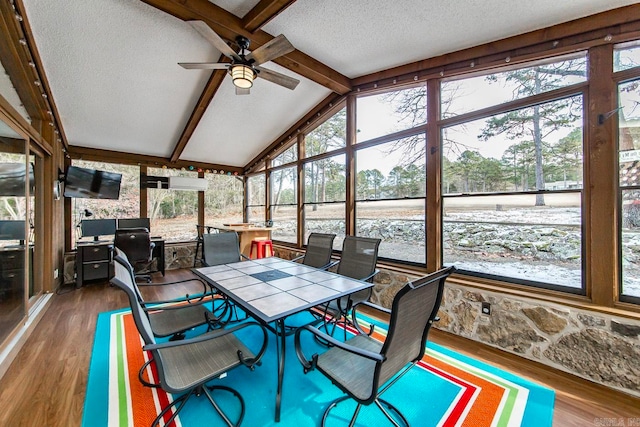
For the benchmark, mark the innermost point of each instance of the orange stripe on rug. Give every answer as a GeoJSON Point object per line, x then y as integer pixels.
{"type": "Point", "coordinates": [142, 401]}
{"type": "Point", "coordinates": [490, 395]}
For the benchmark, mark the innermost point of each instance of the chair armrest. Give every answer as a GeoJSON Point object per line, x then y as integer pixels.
{"type": "Point", "coordinates": [249, 362]}
{"type": "Point", "coordinates": [245, 257]}
{"type": "Point", "coordinates": [371, 276]}
{"type": "Point", "coordinates": [297, 258]}
{"type": "Point", "coordinates": [331, 264]}
{"type": "Point", "coordinates": [309, 365]}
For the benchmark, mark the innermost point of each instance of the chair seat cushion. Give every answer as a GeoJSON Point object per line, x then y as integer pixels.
{"type": "Point", "coordinates": [168, 322]}
{"type": "Point", "coordinates": [195, 364]}
{"type": "Point", "coordinates": [352, 372]}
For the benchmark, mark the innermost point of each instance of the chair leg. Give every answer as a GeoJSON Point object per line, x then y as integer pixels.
{"type": "Point", "coordinates": [180, 401]}
{"type": "Point", "coordinates": [215, 405]}
{"type": "Point", "coordinates": [391, 412]}
{"type": "Point", "coordinates": [141, 375]}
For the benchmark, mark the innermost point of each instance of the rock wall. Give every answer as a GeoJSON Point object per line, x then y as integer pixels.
{"type": "Point", "coordinates": [595, 346]}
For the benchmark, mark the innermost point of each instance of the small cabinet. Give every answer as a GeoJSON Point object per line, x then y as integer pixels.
{"type": "Point", "coordinates": [93, 262]}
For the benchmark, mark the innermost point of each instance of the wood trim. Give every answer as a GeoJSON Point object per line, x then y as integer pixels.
{"type": "Point", "coordinates": [144, 194]}
{"type": "Point", "coordinates": [542, 41]}
{"type": "Point", "coordinates": [99, 155]}
{"type": "Point", "coordinates": [350, 165]}
{"type": "Point", "coordinates": [433, 199]}
{"type": "Point", "coordinates": [264, 12]}
{"type": "Point", "coordinates": [300, 191]}
{"type": "Point", "coordinates": [601, 210]}
{"type": "Point", "coordinates": [228, 26]}
{"type": "Point", "coordinates": [210, 89]}
{"type": "Point", "coordinates": [329, 102]}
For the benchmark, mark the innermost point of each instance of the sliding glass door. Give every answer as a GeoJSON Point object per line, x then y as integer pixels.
{"type": "Point", "coordinates": [15, 173]}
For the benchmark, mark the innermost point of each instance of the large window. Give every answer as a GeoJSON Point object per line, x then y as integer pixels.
{"type": "Point", "coordinates": [126, 206]}
{"type": "Point", "coordinates": [390, 197]}
{"type": "Point", "coordinates": [329, 136]}
{"type": "Point", "coordinates": [324, 194]}
{"type": "Point", "coordinates": [512, 182]}
{"type": "Point", "coordinates": [629, 173]}
{"type": "Point", "coordinates": [223, 199]}
{"type": "Point", "coordinates": [173, 213]}
{"type": "Point", "coordinates": [256, 198]}
{"type": "Point", "coordinates": [284, 204]}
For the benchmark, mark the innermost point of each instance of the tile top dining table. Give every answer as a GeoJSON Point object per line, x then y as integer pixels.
{"type": "Point", "coordinates": [271, 289]}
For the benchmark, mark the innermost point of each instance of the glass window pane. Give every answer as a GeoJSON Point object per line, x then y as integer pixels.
{"type": "Point", "coordinates": [470, 94]}
{"type": "Point", "coordinates": [173, 213]}
{"type": "Point", "coordinates": [631, 243]}
{"type": "Point", "coordinates": [507, 235]}
{"type": "Point", "coordinates": [289, 155]}
{"type": "Point", "coordinates": [285, 223]}
{"type": "Point", "coordinates": [626, 57]}
{"type": "Point", "coordinates": [223, 199]}
{"type": "Point", "coordinates": [325, 180]}
{"type": "Point", "coordinates": [256, 214]}
{"type": "Point", "coordinates": [329, 136]}
{"type": "Point", "coordinates": [400, 225]}
{"type": "Point", "coordinates": [532, 148]}
{"type": "Point", "coordinates": [393, 170]}
{"type": "Point", "coordinates": [127, 205]}
{"type": "Point", "coordinates": [325, 218]}
{"type": "Point", "coordinates": [629, 133]}
{"type": "Point", "coordinates": [256, 190]}
{"type": "Point", "coordinates": [390, 112]}
{"type": "Point", "coordinates": [283, 186]}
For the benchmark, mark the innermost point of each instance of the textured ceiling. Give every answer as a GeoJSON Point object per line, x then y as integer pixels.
{"type": "Point", "coordinates": [112, 64]}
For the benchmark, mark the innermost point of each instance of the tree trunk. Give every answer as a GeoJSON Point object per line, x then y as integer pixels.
{"type": "Point", "coordinates": [537, 139]}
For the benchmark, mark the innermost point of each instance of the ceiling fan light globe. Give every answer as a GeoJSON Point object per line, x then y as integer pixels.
{"type": "Point", "coordinates": [242, 76]}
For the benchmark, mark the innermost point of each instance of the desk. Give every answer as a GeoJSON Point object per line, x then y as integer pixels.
{"type": "Point", "coordinates": [246, 234]}
{"type": "Point", "coordinates": [94, 259]}
{"type": "Point", "coordinates": [271, 289]}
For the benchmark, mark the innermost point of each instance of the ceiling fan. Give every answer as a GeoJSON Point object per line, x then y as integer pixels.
{"type": "Point", "coordinates": [244, 67]}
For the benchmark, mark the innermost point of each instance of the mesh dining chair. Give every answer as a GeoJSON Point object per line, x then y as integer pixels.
{"type": "Point", "coordinates": [319, 249]}
{"type": "Point", "coordinates": [185, 367]}
{"type": "Point", "coordinates": [364, 368]}
{"type": "Point", "coordinates": [358, 261]}
{"type": "Point", "coordinates": [217, 249]}
{"type": "Point", "coordinates": [137, 244]}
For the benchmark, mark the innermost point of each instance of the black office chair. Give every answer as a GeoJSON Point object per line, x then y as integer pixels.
{"type": "Point", "coordinates": [137, 245]}
{"type": "Point", "coordinates": [364, 368]}
{"type": "Point", "coordinates": [319, 249]}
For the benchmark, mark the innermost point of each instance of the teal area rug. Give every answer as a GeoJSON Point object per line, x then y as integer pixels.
{"type": "Point", "coordinates": [445, 389]}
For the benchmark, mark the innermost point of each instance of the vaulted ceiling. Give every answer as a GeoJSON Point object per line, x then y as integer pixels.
{"type": "Point", "coordinates": [112, 65]}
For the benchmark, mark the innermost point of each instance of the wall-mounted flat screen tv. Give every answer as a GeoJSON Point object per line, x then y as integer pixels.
{"type": "Point", "coordinates": [91, 183]}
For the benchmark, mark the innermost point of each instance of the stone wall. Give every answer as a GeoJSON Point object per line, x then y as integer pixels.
{"type": "Point", "coordinates": [595, 346]}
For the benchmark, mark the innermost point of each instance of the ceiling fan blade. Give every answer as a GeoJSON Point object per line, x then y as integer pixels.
{"type": "Point", "coordinates": [276, 47]}
{"type": "Point", "coordinates": [278, 78]}
{"type": "Point", "coordinates": [203, 65]}
{"type": "Point", "coordinates": [213, 38]}
{"type": "Point", "coordinates": [241, 91]}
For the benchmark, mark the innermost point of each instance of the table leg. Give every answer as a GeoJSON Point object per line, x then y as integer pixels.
{"type": "Point", "coordinates": [280, 348]}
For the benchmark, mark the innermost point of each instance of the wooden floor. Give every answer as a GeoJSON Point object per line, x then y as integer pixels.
{"type": "Point", "coordinates": [45, 386]}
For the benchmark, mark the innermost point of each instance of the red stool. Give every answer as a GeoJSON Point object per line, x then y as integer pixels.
{"type": "Point", "coordinates": [263, 248]}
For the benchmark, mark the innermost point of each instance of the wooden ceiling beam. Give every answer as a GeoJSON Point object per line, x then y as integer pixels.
{"type": "Point", "coordinates": [212, 86]}
{"type": "Point", "coordinates": [264, 12]}
{"type": "Point", "coordinates": [228, 26]}
{"type": "Point", "coordinates": [99, 155]}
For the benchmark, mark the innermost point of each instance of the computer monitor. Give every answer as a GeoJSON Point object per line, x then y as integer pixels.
{"type": "Point", "coordinates": [98, 227]}
{"type": "Point", "coordinates": [12, 230]}
{"type": "Point", "coordinates": [134, 223]}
